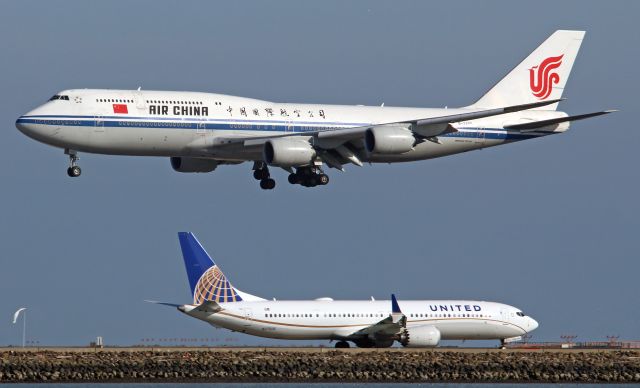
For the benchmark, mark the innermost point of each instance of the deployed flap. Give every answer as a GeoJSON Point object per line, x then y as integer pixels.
{"type": "Point", "coordinates": [543, 123]}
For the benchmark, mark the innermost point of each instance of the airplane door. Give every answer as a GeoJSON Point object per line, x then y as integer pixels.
{"type": "Point", "coordinates": [141, 104]}
{"type": "Point", "coordinates": [99, 124]}
{"type": "Point", "coordinates": [247, 315]}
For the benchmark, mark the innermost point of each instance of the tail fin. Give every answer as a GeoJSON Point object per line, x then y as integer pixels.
{"type": "Point", "coordinates": [205, 278]}
{"type": "Point", "coordinates": [541, 76]}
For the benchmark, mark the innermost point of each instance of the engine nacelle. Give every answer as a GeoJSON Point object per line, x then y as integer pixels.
{"type": "Point", "coordinates": [181, 164]}
{"type": "Point", "coordinates": [389, 140]}
{"type": "Point", "coordinates": [288, 152]}
{"type": "Point", "coordinates": [426, 336]}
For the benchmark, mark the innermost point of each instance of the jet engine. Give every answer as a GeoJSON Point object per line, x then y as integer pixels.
{"type": "Point", "coordinates": [388, 140]}
{"type": "Point", "coordinates": [426, 336]}
{"type": "Point", "coordinates": [181, 164]}
{"type": "Point", "coordinates": [288, 152]}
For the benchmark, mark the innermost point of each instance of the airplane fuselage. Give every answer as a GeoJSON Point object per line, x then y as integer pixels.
{"type": "Point", "coordinates": [191, 124]}
{"type": "Point", "coordinates": [337, 320]}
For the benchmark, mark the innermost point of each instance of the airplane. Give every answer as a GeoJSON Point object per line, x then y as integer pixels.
{"type": "Point", "coordinates": [200, 131]}
{"type": "Point", "coordinates": [368, 323]}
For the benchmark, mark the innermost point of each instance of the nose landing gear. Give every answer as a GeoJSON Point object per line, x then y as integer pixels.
{"type": "Point", "coordinates": [74, 170]}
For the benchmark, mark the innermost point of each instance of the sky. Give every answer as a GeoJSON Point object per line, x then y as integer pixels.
{"type": "Point", "coordinates": [548, 225]}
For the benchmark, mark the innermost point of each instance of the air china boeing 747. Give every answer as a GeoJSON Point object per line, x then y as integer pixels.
{"type": "Point", "coordinates": [200, 131]}
{"type": "Point", "coordinates": [418, 323]}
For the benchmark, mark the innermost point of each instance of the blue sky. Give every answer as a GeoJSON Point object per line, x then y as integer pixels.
{"type": "Point", "coordinates": [548, 225]}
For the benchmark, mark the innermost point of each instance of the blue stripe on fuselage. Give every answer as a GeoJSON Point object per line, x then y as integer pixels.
{"type": "Point", "coordinates": [246, 125]}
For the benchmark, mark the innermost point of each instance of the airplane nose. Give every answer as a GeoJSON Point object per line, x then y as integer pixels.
{"type": "Point", "coordinates": [28, 125]}
{"type": "Point", "coordinates": [22, 125]}
{"type": "Point", "coordinates": [532, 324]}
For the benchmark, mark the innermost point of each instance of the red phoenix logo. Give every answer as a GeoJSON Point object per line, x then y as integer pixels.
{"type": "Point", "coordinates": [541, 77]}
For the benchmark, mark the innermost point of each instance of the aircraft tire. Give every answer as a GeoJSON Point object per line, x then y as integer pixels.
{"type": "Point", "coordinates": [74, 171]}
{"type": "Point", "coordinates": [267, 184]}
{"type": "Point", "coordinates": [293, 179]}
{"type": "Point", "coordinates": [323, 179]}
{"type": "Point", "coordinates": [261, 174]}
{"type": "Point", "coordinates": [342, 345]}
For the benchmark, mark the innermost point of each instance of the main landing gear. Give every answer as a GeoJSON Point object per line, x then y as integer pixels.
{"type": "Point", "coordinates": [308, 177]}
{"type": "Point", "coordinates": [342, 345]}
{"type": "Point", "coordinates": [304, 176]}
{"type": "Point", "coordinates": [74, 170]}
{"type": "Point", "coordinates": [261, 173]}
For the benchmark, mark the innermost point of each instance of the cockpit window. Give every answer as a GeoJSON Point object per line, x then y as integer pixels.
{"type": "Point", "coordinates": [520, 314]}
{"type": "Point", "coordinates": [59, 97]}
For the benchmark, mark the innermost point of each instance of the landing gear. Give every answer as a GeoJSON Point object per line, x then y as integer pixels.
{"type": "Point", "coordinates": [261, 173]}
{"type": "Point", "coordinates": [308, 177]}
{"type": "Point", "coordinates": [503, 344]}
{"type": "Point", "coordinates": [342, 345]}
{"type": "Point", "coordinates": [74, 170]}
{"type": "Point", "coordinates": [267, 184]}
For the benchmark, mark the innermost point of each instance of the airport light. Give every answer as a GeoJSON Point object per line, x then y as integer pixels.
{"type": "Point", "coordinates": [22, 310]}
{"type": "Point", "coordinates": [569, 337]}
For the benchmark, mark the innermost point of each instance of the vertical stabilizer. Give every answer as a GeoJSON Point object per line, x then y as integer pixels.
{"type": "Point", "coordinates": [206, 280]}
{"type": "Point", "coordinates": [541, 76]}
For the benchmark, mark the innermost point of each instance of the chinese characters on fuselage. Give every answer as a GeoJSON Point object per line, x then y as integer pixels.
{"type": "Point", "coordinates": [189, 110]}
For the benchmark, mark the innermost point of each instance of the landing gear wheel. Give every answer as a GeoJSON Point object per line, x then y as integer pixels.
{"type": "Point", "coordinates": [342, 345]}
{"type": "Point", "coordinates": [323, 179]}
{"type": "Point", "coordinates": [261, 174]}
{"type": "Point", "coordinates": [293, 179]}
{"type": "Point", "coordinates": [267, 184]}
{"type": "Point", "coordinates": [74, 171]}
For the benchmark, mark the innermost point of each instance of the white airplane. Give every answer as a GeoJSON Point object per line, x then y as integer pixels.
{"type": "Point", "coordinates": [200, 131]}
{"type": "Point", "coordinates": [369, 323]}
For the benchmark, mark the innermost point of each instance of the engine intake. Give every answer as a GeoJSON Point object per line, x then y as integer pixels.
{"type": "Point", "coordinates": [426, 336]}
{"type": "Point", "coordinates": [288, 152]}
{"type": "Point", "coordinates": [389, 140]}
{"type": "Point", "coordinates": [181, 164]}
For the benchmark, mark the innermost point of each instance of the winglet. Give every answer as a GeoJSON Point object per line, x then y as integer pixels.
{"type": "Point", "coordinates": [395, 308]}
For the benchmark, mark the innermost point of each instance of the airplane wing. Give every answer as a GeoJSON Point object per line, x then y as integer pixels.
{"type": "Point", "coordinates": [532, 126]}
{"type": "Point", "coordinates": [338, 146]}
{"type": "Point", "coordinates": [389, 327]}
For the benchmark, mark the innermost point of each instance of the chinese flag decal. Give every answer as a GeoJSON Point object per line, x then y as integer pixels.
{"type": "Point", "coordinates": [120, 108]}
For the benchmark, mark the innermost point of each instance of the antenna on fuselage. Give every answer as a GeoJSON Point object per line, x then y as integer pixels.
{"type": "Point", "coordinates": [139, 87]}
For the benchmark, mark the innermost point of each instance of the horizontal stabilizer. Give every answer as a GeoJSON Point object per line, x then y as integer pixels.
{"type": "Point", "coordinates": [163, 303]}
{"type": "Point", "coordinates": [543, 123]}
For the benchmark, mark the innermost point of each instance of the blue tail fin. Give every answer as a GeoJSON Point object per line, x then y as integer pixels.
{"type": "Point", "coordinates": [206, 280]}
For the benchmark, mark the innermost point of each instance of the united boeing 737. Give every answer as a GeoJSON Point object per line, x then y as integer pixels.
{"type": "Point", "coordinates": [369, 323]}
{"type": "Point", "coordinates": [200, 131]}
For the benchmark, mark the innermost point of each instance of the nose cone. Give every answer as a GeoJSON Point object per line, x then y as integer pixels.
{"type": "Point", "coordinates": [28, 125]}
{"type": "Point", "coordinates": [532, 324]}
{"type": "Point", "coordinates": [25, 125]}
